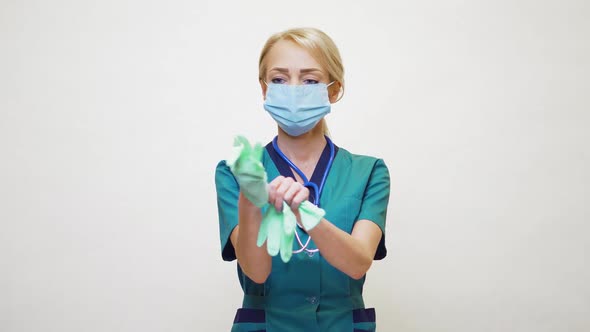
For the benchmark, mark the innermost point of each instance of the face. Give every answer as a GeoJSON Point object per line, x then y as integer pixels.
{"type": "Point", "coordinates": [288, 63]}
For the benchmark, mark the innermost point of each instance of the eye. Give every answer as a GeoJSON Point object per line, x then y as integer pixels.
{"type": "Point", "coordinates": [278, 80]}
{"type": "Point", "coordinates": [310, 81]}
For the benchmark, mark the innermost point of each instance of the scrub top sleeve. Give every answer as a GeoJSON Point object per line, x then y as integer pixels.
{"type": "Point", "coordinates": [227, 208]}
{"type": "Point", "coordinates": [375, 201]}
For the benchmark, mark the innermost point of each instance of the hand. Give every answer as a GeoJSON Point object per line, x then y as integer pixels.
{"type": "Point", "coordinates": [278, 224]}
{"type": "Point", "coordinates": [288, 190]}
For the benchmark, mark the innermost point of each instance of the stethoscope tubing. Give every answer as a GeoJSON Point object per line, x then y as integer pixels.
{"type": "Point", "coordinates": [317, 190]}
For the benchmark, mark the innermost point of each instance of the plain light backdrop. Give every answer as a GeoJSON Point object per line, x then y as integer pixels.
{"type": "Point", "coordinates": [113, 115]}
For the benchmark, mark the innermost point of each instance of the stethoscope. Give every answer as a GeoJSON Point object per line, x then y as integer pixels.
{"type": "Point", "coordinates": [306, 183]}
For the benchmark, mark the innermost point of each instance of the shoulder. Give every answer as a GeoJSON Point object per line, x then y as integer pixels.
{"type": "Point", "coordinates": [361, 163]}
{"type": "Point", "coordinates": [221, 166]}
{"type": "Point", "coordinates": [357, 172]}
{"type": "Point", "coordinates": [223, 173]}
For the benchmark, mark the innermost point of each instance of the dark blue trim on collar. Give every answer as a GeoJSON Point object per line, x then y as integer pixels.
{"type": "Point", "coordinates": [318, 173]}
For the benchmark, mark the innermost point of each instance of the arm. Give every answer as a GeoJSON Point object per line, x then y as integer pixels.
{"type": "Point", "coordinates": [352, 253]}
{"type": "Point", "coordinates": [349, 253]}
{"type": "Point", "coordinates": [254, 260]}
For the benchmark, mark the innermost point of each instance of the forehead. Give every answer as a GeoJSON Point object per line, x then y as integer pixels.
{"type": "Point", "coordinates": [287, 54]}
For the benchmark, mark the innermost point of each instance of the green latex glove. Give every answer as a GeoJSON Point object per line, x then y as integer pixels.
{"type": "Point", "coordinates": [246, 166]}
{"type": "Point", "coordinates": [278, 230]}
{"type": "Point", "coordinates": [310, 215]}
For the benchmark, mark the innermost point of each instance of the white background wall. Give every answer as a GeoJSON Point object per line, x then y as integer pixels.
{"type": "Point", "coordinates": [113, 115]}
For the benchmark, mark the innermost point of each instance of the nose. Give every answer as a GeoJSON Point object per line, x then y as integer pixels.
{"type": "Point", "coordinates": [295, 80]}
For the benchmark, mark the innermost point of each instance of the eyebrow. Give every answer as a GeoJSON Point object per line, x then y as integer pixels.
{"type": "Point", "coordinates": [302, 71]}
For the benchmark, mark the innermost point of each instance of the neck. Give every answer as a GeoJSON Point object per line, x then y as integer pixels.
{"type": "Point", "coordinates": [304, 148]}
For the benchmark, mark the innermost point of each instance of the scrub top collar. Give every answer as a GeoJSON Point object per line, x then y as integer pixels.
{"type": "Point", "coordinates": [318, 173]}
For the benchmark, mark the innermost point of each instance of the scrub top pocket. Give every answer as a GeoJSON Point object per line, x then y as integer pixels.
{"type": "Point", "coordinates": [249, 320]}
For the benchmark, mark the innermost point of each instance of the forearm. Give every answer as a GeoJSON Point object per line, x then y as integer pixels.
{"type": "Point", "coordinates": [254, 260]}
{"type": "Point", "coordinates": [343, 251]}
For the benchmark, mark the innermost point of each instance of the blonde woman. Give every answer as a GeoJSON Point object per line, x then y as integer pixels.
{"type": "Point", "coordinates": [320, 288]}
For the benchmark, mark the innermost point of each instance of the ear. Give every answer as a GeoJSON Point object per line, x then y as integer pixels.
{"type": "Point", "coordinates": [263, 87]}
{"type": "Point", "coordinates": [334, 92]}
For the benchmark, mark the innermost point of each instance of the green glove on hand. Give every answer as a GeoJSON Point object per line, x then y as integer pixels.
{"type": "Point", "coordinates": [246, 166]}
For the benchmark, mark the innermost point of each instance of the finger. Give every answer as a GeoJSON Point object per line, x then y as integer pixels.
{"type": "Point", "coordinates": [280, 193]}
{"type": "Point", "coordinates": [273, 241]}
{"type": "Point", "coordinates": [299, 198]}
{"type": "Point", "coordinates": [292, 191]}
{"type": "Point", "coordinates": [263, 230]}
{"type": "Point", "coordinates": [272, 188]}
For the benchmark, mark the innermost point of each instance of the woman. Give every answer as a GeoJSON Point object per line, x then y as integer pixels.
{"type": "Point", "coordinates": [320, 288]}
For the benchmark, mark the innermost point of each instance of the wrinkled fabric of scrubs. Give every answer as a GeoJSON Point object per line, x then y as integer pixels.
{"type": "Point", "coordinates": [308, 294]}
{"type": "Point", "coordinates": [277, 228]}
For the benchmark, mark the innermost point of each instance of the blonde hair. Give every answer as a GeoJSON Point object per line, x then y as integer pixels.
{"type": "Point", "coordinates": [321, 47]}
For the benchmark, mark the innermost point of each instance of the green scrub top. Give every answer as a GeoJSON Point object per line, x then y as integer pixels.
{"type": "Point", "coordinates": [308, 294]}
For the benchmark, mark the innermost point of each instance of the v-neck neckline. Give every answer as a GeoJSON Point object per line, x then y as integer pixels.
{"type": "Point", "coordinates": [284, 169]}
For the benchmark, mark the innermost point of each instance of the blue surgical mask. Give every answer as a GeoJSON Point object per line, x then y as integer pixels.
{"type": "Point", "coordinates": [297, 108]}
